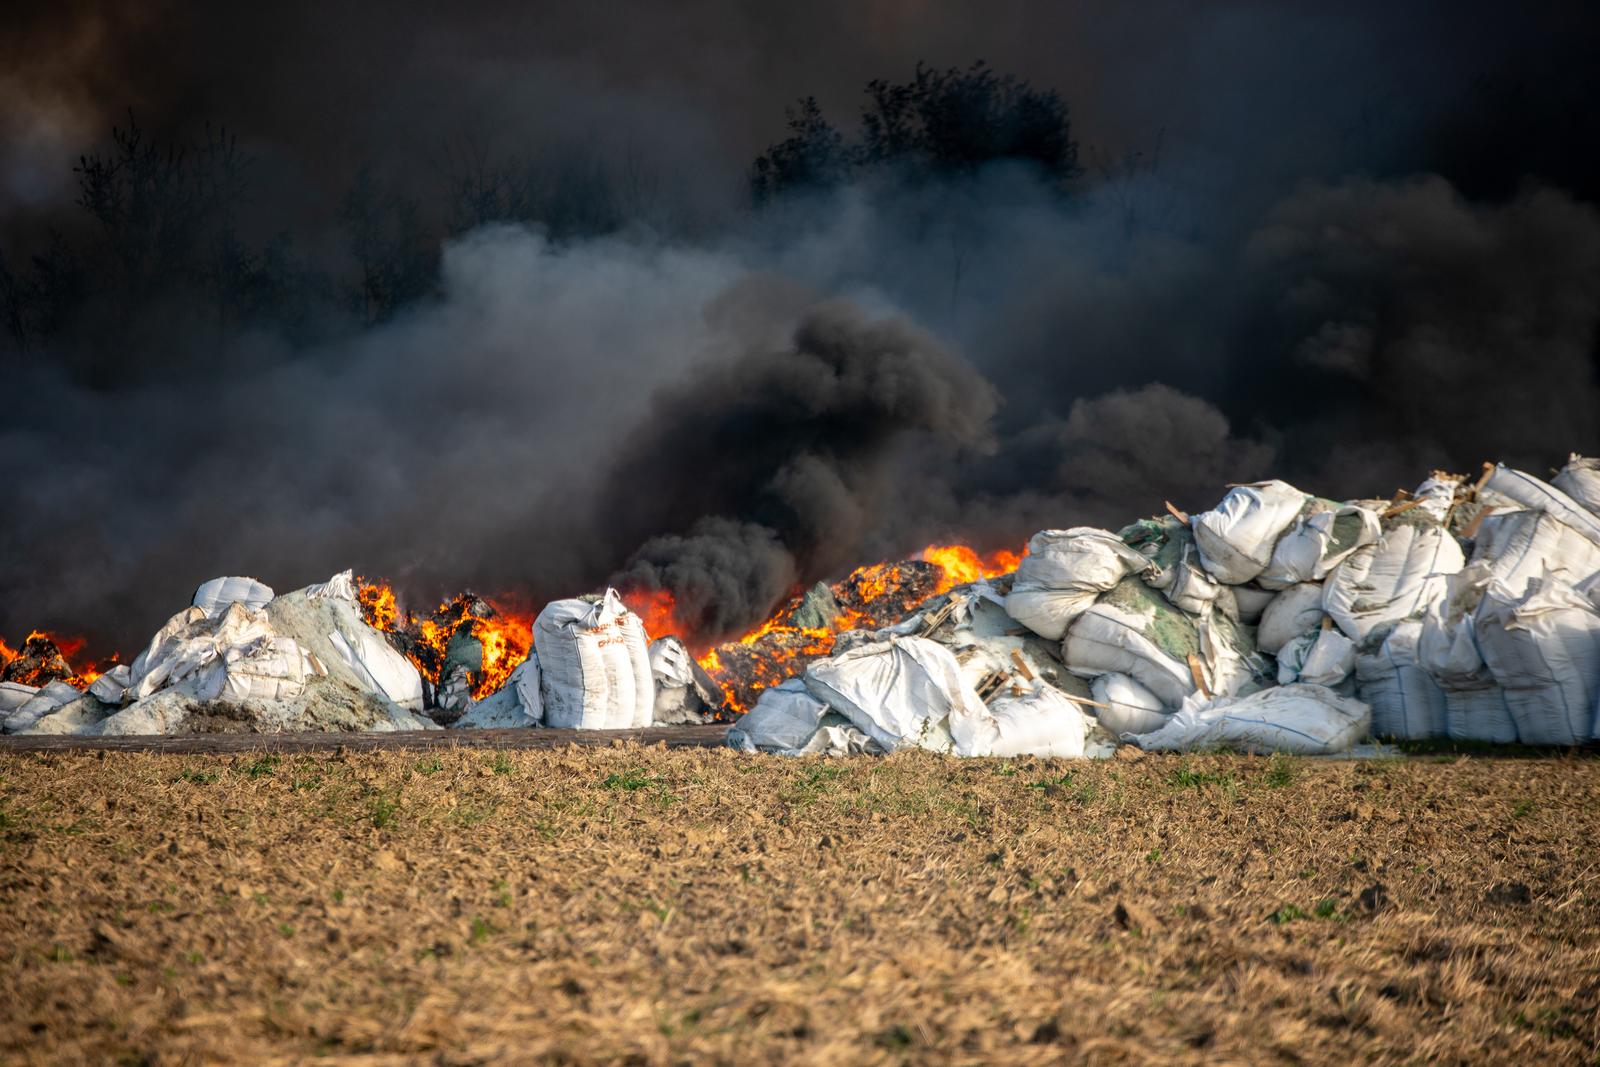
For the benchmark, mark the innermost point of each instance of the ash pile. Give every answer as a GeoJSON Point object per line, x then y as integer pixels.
{"type": "Point", "coordinates": [1277, 621]}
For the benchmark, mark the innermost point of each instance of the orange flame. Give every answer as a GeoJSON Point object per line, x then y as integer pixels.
{"type": "Point", "coordinates": [960, 565]}
{"type": "Point", "coordinates": [65, 647]}
{"type": "Point", "coordinates": [505, 635]}
{"type": "Point", "coordinates": [786, 648]}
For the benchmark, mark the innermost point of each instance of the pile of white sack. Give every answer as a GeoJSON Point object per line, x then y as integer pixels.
{"type": "Point", "coordinates": [1275, 622]}
{"type": "Point", "coordinates": [241, 659]}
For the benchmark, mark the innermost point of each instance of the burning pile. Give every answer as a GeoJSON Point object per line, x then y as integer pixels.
{"type": "Point", "coordinates": [807, 627]}
{"type": "Point", "coordinates": [466, 648]}
{"type": "Point", "coordinates": [43, 659]}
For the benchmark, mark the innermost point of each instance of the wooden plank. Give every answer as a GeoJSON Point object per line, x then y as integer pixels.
{"type": "Point", "coordinates": [1176, 512]}
{"type": "Point", "coordinates": [1022, 664]}
{"type": "Point", "coordinates": [1197, 671]}
{"type": "Point", "coordinates": [708, 736]}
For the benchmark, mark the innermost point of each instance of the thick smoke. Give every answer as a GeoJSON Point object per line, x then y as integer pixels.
{"type": "Point", "coordinates": [780, 465]}
{"type": "Point", "coordinates": [1317, 272]}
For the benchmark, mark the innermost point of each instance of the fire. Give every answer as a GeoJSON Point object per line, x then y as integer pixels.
{"type": "Point", "coordinates": [960, 565]}
{"type": "Point", "coordinates": [504, 635]}
{"type": "Point", "coordinates": [45, 657]}
{"type": "Point", "coordinates": [869, 597]}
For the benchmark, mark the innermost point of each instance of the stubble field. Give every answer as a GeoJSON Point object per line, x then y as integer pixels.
{"type": "Point", "coordinates": [651, 906]}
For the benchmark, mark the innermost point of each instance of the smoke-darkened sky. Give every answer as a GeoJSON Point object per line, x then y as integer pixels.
{"type": "Point", "coordinates": [1342, 243]}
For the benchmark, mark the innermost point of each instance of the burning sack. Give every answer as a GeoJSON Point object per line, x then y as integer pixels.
{"type": "Point", "coordinates": [904, 691]}
{"type": "Point", "coordinates": [1236, 538]}
{"type": "Point", "coordinates": [304, 661]}
{"type": "Point", "coordinates": [594, 665]}
{"type": "Point", "coordinates": [1062, 574]}
{"type": "Point", "coordinates": [1543, 647]}
{"type": "Point", "coordinates": [1307, 720]}
{"type": "Point", "coordinates": [1406, 702]}
{"type": "Point", "coordinates": [517, 703]}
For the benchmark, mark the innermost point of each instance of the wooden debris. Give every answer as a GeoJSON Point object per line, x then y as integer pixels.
{"type": "Point", "coordinates": [1176, 512]}
{"type": "Point", "coordinates": [1022, 664]}
{"type": "Point", "coordinates": [1197, 671]}
{"type": "Point", "coordinates": [1399, 508]}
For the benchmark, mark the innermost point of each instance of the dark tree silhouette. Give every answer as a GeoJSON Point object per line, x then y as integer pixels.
{"type": "Point", "coordinates": [939, 124]}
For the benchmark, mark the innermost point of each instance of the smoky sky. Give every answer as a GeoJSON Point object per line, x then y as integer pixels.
{"type": "Point", "coordinates": [1339, 243]}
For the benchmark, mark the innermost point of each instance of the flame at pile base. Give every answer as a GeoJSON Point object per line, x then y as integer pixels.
{"type": "Point", "coordinates": [466, 631]}
{"type": "Point", "coordinates": [804, 629]}
{"type": "Point", "coordinates": [44, 658]}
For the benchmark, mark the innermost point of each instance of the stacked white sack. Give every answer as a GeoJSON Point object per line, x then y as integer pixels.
{"type": "Point", "coordinates": [1580, 480]}
{"type": "Point", "coordinates": [1324, 535]}
{"type": "Point", "coordinates": [1474, 704]}
{"type": "Point", "coordinates": [1062, 575]}
{"type": "Point", "coordinates": [1132, 630]}
{"type": "Point", "coordinates": [1236, 538]}
{"type": "Point", "coordinates": [594, 665]}
{"type": "Point", "coordinates": [1543, 647]}
{"type": "Point", "coordinates": [1405, 700]}
{"type": "Point", "coordinates": [1300, 719]}
{"type": "Point", "coordinates": [515, 704]}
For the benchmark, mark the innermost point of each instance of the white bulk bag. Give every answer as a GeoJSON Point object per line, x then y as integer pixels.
{"type": "Point", "coordinates": [594, 665]}
{"type": "Point", "coordinates": [13, 695]}
{"type": "Point", "coordinates": [1405, 700]}
{"type": "Point", "coordinates": [110, 687]}
{"type": "Point", "coordinates": [44, 701]}
{"type": "Point", "coordinates": [1132, 630]}
{"type": "Point", "coordinates": [905, 691]}
{"type": "Point", "coordinates": [214, 596]}
{"type": "Point", "coordinates": [1309, 720]}
{"type": "Point", "coordinates": [1037, 722]}
{"type": "Point", "coordinates": [1252, 601]}
{"type": "Point", "coordinates": [1291, 613]}
{"type": "Point", "coordinates": [1536, 495]}
{"type": "Point", "coordinates": [784, 719]}
{"type": "Point", "coordinates": [1316, 544]}
{"type": "Point", "coordinates": [1321, 657]}
{"type": "Point", "coordinates": [1130, 707]}
{"type": "Point", "coordinates": [515, 704]}
{"type": "Point", "coordinates": [1437, 495]}
{"type": "Point", "coordinates": [1474, 704]}
{"type": "Point", "coordinates": [1237, 537]}
{"type": "Point", "coordinates": [1580, 480]}
{"type": "Point", "coordinates": [1062, 574]}
{"type": "Point", "coordinates": [1519, 546]}
{"type": "Point", "coordinates": [1399, 577]}
{"type": "Point", "coordinates": [1543, 647]}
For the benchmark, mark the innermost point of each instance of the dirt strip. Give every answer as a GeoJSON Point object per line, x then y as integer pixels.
{"type": "Point", "coordinates": [403, 740]}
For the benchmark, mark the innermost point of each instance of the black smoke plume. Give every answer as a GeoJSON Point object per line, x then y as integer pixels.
{"type": "Point", "coordinates": [483, 300]}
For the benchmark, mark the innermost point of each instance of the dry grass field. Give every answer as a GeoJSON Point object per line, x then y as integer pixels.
{"type": "Point", "coordinates": [649, 906]}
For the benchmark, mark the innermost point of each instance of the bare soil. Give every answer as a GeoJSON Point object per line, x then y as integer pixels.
{"type": "Point", "coordinates": [648, 905]}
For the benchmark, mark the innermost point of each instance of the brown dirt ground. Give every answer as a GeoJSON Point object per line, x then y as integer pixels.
{"type": "Point", "coordinates": [653, 906]}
